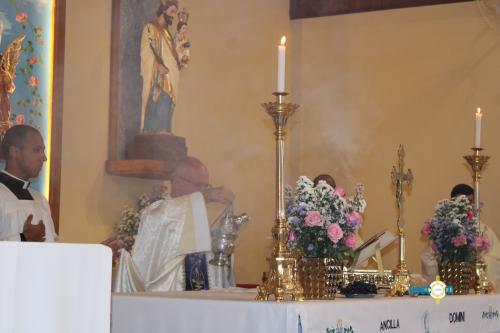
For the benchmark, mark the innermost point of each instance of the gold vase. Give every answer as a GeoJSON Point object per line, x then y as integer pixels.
{"type": "Point", "coordinates": [320, 277]}
{"type": "Point", "coordinates": [460, 275]}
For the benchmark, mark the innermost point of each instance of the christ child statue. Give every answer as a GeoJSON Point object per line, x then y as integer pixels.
{"type": "Point", "coordinates": [182, 44]}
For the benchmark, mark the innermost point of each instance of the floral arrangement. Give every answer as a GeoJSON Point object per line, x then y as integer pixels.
{"type": "Point", "coordinates": [453, 231]}
{"type": "Point", "coordinates": [128, 226]}
{"type": "Point", "coordinates": [322, 221]}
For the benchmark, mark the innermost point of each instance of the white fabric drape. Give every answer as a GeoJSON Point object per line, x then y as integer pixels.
{"type": "Point", "coordinates": [169, 229]}
{"type": "Point", "coordinates": [55, 288]}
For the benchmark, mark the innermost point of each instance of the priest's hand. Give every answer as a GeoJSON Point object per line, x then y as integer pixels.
{"type": "Point", "coordinates": [116, 245]}
{"type": "Point", "coordinates": [218, 194]}
{"type": "Point", "coordinates": [34, 233]}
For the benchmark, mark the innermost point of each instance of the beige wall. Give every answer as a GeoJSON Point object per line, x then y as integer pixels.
{"type": "Point", "coordinates": [369, 82]}
{"type": "Point", "coordinates": [365, 82]}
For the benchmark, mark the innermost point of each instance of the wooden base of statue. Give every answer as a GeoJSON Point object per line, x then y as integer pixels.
{"type": "Point", "coordinates": [165, 147]}
{"type": "Point", "coordinates": [152, 156]}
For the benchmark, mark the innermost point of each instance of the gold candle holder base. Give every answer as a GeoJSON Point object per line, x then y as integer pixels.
{"type": "Point", "coordinates": [483, 286]}
{"type": "Point", "coordinates": [477, 162]}
{"type": "Point", "coordinates": [282, 282]}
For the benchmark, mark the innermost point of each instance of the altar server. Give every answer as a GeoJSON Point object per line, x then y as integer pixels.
{"type": "Point", "coordinates": [24, 213]}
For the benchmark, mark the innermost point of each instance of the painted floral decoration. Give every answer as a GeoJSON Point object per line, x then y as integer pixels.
{"type": "Point", "coordinates": [32, 48]}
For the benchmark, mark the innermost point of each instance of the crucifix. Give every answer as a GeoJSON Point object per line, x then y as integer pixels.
{"type": "Point", "coordinates": [400, 178]}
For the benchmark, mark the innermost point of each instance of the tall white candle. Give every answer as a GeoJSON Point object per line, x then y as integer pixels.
{"type": "Point", "coordinates": [477, 137]}
{"type": "Point", "coordinates": [281, 65]}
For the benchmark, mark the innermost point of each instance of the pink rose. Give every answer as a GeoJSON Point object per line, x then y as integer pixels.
{"type": "Point", "coordinates": [486, 242]}
{"type": "Point", "coordinates": [313, 219]}
{"type": "Point", "coordinates": [33, 81]}
{"type": "Point", "coordinates": [434, 247]}
{"type": "Point", "coordinates": [335, 233]}
{"type": "Point", "coordinates": [33, 60]}
{"type": "Point", "coordinates": [478, 242]}
{"type": "Point", "coordinates": [350, 241]}
{"type": "Point", "coordinates": [19, 119]}
{"type": "Point", "coordinates": [426, 230]}
{"type": "Point", "coordinates": [339, 191]}
{"type": "Point", "coordinates": [21, 17]}
{"type": "Point", "coordinates": [481, 243]}
{"type": "Point", "coordinates": [460, 240]}
{"type": "Point", "coordinates": [470, 215]}
{"type": "Point", "coordinates": [292, 236]}
{"type": "Point", "coordinates": [354, 218]}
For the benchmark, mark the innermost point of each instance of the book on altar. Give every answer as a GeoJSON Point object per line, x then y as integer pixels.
{"type": "Point", "coordinates": [368, 248]}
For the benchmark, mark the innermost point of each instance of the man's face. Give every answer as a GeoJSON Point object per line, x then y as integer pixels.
{"type": "Point", "coordinates": [169, 14]}
{"type": "Point", "coordinates": [470, 197]}
{"type": "Point", "coordinates": [190, 180]}
{"type": "Point", "coordinates": [31, 155]}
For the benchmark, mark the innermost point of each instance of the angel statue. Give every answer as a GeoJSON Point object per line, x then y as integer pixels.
{"type": "Point", "coordinates": [8, 62]}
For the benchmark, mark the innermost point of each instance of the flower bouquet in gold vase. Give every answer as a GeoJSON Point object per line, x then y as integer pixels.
{"type": "Point", "coordinates": [323, 225]}
{"type": "Point", "coordinates": [455, 239]}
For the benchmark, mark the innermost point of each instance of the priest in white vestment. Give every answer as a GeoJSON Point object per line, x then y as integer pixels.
{"type": "Point", "coordinates": [490, 256]}
{"type": "Point", "coordinates": [169, 230]}
{"type": "Point", "coordinates": [24, 213]}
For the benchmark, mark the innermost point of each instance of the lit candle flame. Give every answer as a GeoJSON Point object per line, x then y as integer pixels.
{"type": "Point", "coordinates": [478, 111]}
{"type": "Point", "coordinates": [283, 40]}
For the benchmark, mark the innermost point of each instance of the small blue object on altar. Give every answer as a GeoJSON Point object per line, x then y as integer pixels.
{"type": "Point", "coordinates": [195, 265]}
{"type": "Point", "coordinates": [426, 290]}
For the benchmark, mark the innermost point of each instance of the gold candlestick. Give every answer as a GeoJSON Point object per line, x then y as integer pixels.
{"type": "Point", "coordinates": [477, 162]}
{"type": "Point", "coordinates": [282, 277]}
{"type": "Point", "coordinates": [401, 283]}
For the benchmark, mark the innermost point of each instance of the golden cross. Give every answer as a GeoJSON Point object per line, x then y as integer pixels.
{"type": "Point", "coordinates": [399, 179]}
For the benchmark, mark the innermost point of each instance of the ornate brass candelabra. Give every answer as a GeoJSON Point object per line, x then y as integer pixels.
{"type": "Point", "coordinates": [282, 279]}
{"type": "Point", "coordinates": [477, 162]}
{"type": "Point", "coordinates": [399, 178]}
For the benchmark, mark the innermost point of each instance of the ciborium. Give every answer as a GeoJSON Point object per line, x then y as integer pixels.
{"type": "Point", "coordinates": [282, 281]}
{"type": "Point", "coordinates": [477, 162]}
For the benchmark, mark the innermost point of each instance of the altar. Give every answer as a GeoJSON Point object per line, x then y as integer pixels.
{"type": "Point", "coordinates": [237, 311]}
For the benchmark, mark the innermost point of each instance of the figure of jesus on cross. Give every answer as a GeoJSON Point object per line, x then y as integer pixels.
{"type": "Point", "coordinates": [399, 179]}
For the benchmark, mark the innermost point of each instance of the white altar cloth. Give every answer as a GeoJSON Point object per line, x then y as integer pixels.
{"type": "Point", "coordinates": [54, 288]}
{"type": "Point", "coordinates": [237, 311]}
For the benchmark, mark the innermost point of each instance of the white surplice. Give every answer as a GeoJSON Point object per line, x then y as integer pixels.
{"type": "Point", "coordinates": [14, 212]}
